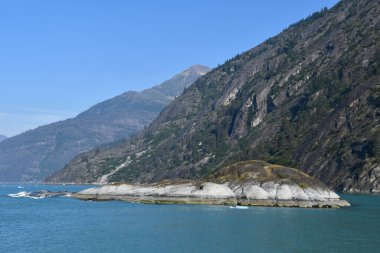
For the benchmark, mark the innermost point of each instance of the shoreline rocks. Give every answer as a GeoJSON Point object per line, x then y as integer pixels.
{"type": "Point", "coordinates": [216, 194]}
{"type": "Point", "coordinates": [248, 183]}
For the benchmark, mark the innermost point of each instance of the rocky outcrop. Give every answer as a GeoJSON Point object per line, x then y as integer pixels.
{"type": "Point", "coordinates": [252, 183]}
{"type": "Point", "coordinates": [270, 194]}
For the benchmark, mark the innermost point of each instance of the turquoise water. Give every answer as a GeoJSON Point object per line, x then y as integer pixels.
{"type": "Point", "coordinates": [67, 225]}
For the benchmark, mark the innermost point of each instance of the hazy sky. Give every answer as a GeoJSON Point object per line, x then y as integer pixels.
{"type": "Point", "coordinates": [57, 58]}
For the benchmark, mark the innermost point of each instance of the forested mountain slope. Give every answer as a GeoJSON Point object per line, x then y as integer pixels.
{"type": "Point", "coordinates": [308, 97]}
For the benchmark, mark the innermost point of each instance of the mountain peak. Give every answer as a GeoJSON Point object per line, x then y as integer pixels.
{"type": "Point", "coordinates": [103, 123]}
{"type": "Point", "coordinates": [200, 69]}
{"type": "Point", "coordinates": [173, 87]}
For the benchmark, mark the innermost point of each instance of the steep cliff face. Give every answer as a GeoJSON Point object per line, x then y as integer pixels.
{"type": "Point", "coordinates": [308, 98]}
{"type": "Point", "coordinates": [35, 154]}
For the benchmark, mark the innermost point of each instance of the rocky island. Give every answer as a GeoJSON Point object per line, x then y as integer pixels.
{"type": "Point", "coordinates": [249, 183]}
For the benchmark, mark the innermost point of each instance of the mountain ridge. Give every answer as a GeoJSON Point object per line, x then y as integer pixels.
{"type": "Point", "coordinates": [34, 154]}
{"type": "Point", "coordinates": [3, 137]}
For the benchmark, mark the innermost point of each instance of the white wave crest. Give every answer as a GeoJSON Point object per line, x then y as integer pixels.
{"type": "Point", "coordinates": [239, 207]}
{"type": "Point", "coordinates": [24, 194]}
{"type": "Point", "coordinates": [18, 195]}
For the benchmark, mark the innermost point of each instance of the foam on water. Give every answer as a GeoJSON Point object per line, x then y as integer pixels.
{"type": "Point", "coordinates": [18, 195]}
{"type": "Point", "coordinates": [24, 194]}
{"type": "Point", "coordinates": [239, 207]}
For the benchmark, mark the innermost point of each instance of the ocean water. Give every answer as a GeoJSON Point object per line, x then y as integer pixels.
{"type": "Point", "coordinates": [63, 224]}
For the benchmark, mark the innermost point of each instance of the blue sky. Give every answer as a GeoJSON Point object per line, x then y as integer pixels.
{"type": "Point", "coordinates": [57, 58]}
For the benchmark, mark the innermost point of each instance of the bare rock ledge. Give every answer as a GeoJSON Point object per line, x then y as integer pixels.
{"type": "Point", "coordinates": [250, 183]}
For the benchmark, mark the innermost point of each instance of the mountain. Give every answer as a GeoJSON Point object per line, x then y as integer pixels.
{"type": "Point", "coordinates": [307, 98]}
{"type": "Point", "coordinates": [3, 137]}
{"type": "Point", "coordinates": [35, 154]}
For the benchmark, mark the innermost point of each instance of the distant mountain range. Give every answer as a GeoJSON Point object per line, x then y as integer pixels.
{"type": "Point", "coordinates": [308, 98]}
{"type": "Point", "coordinates": [3, 137]}
{"type": "Point", "coordinates": [33, 155]}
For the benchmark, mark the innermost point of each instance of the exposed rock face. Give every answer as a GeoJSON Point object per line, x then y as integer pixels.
{"type": "Point", "coordinates": [35, 154]}
{"type": "Point", "coordinates": [253, 183]}
{"type": "Point", "coordinates": [307, 98]}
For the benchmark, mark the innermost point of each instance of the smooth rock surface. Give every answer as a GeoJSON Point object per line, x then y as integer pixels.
{"type": "Point", "coordinates": [255, 183]}
{"type": "Point", "coordinates": [212, 193]}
